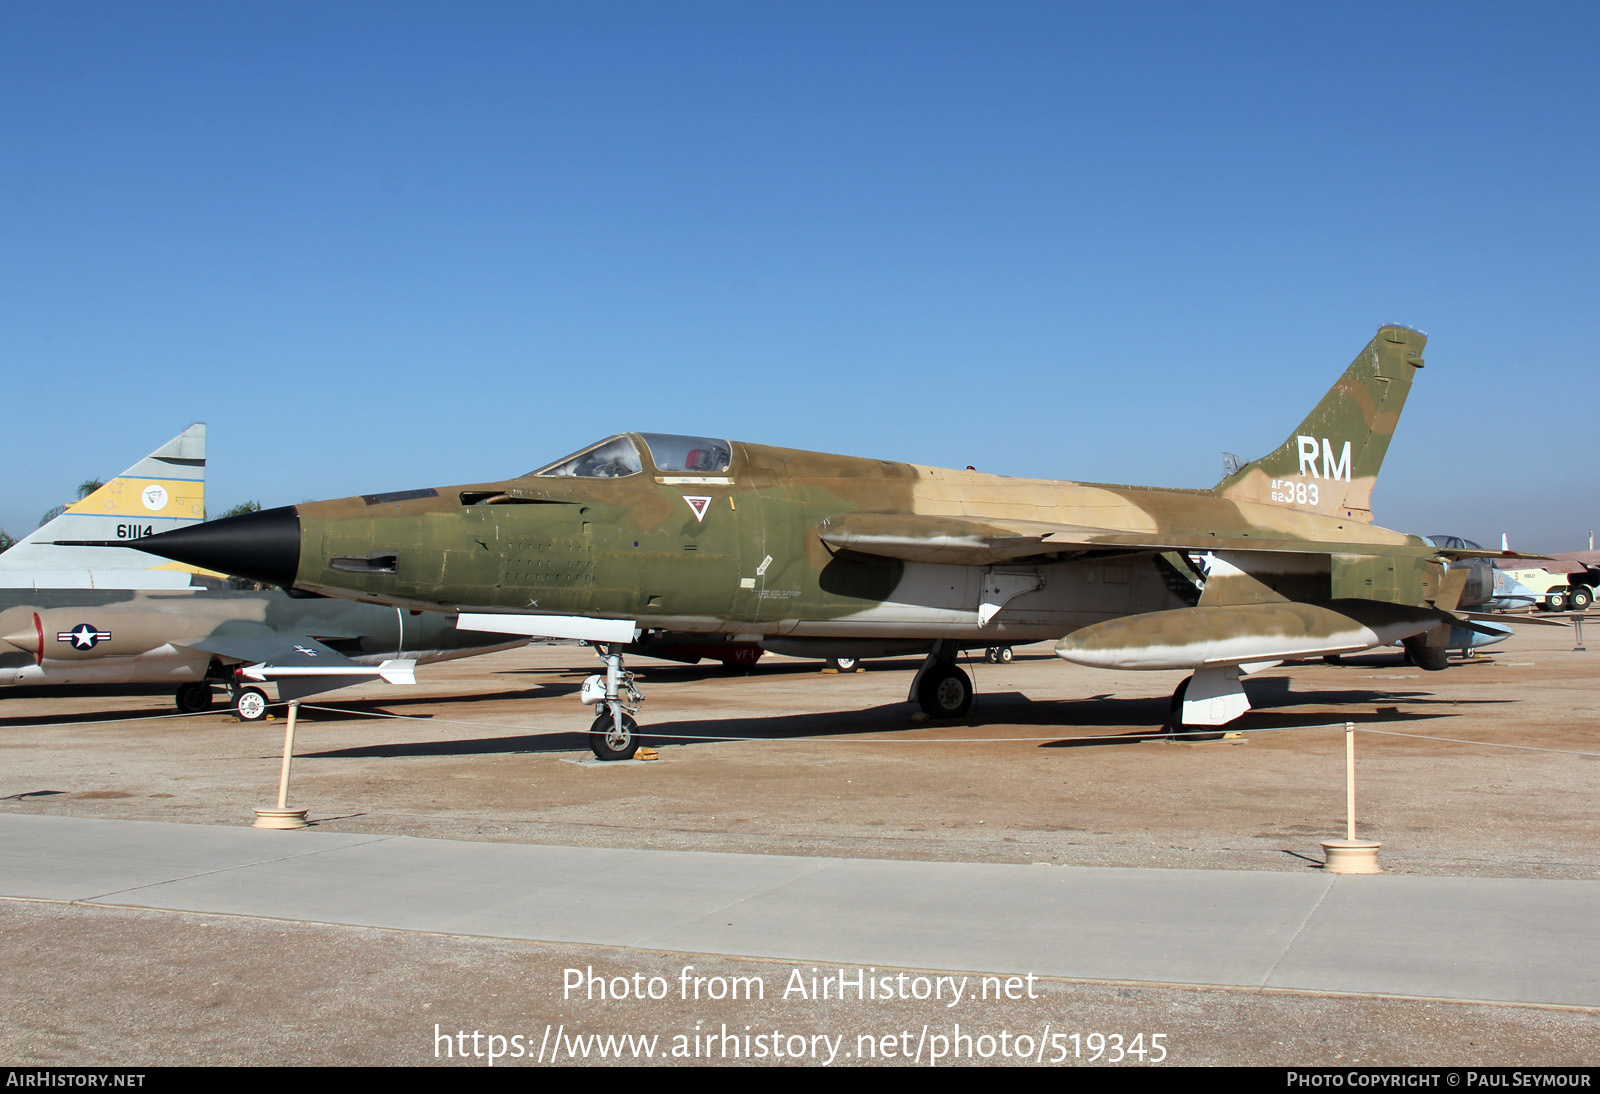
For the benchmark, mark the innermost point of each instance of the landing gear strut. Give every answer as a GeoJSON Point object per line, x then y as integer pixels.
{"type": "Point", "coordinates": [614, 734]}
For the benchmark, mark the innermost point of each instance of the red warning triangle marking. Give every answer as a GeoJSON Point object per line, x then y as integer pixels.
{"type": "Point", "coordinates": [699, 505]}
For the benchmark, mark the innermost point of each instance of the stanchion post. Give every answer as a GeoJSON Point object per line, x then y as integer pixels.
{"type": "Point", "coordinates": [1350, 855]}
{"type": "Point", "coordinates": [284, 817]}
{"type": "Point", "coordinates": [1349, 781]}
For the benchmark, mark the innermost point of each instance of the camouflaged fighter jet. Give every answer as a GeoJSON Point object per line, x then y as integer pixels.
{"type": "Point", "coordinates": [838, 556]}
{"type": "Point", "coordinates": [75, 612]}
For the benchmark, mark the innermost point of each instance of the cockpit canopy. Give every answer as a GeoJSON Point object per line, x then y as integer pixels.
{"type": "Point", "coordinates": [694, 455]}
{"type": "Point", "coordinates": [617, 457]}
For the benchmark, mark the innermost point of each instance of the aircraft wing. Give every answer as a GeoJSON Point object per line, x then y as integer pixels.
{"type": "Point", "coordinates": [267, 645]}
{"type": "Point", "coordinates": [914, 537]}
{"type": "Point", "coordinates": [299, 663]}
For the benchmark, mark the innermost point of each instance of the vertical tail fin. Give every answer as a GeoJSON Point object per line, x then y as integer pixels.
{"type": "Point", "coordinates": [1330, 462]}
{"type": "Point", "coordinates": [163, 491]}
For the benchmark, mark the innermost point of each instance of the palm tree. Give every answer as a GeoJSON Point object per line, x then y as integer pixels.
{"type": "Point", "coordinates": [85, 488]}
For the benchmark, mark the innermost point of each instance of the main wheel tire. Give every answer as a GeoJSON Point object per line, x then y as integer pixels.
{"type": "Point", "coordinates": [1006, 655]}
{"type": "Point", "coordinates": [193, 698]}
{"type": "Point", "coordinates": [945, 692]}
{"type": "Point", "coordinates": [1580, 598]}
{"type": "Point", "coordinates": [843, 664]}
{"type": "Point", "coordinates": [992, 655]}
{"type": "Point", "coordinates": [251, 704]}
{"type": "Point", "coordinates": [608, 744]}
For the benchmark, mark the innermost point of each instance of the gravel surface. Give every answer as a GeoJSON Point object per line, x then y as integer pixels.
{"type": "Point", "coordinates": [1496, 775]}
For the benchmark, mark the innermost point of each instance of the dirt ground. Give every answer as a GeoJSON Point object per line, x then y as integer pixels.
{"type": "Point", "coordinates": [1490, 768]}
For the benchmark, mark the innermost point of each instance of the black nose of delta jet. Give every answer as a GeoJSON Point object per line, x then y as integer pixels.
{"type": "Point", "coordinates": [262, 546]}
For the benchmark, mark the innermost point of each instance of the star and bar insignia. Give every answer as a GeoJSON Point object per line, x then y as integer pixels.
{"type": "Point", "coordinates": [85, 636]}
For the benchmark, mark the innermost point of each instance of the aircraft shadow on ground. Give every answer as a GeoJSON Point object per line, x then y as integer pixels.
{"type": "Point", "coordinates": [83, 717]}
{"type": "Point", "coordinates": [782, 727]}
{"type": "Point", "coordinates": [315, 707]}
{"type": "Point", "coordinates": [481, 746]}
{"type": "Point", "coordinates": [1137, 719]}
{"type": "Point", "coordinates": [1387, 661]}
{"type": "Point", "coordinates": [112, 692]}
{"type": "Point", "coordinates": [331, 704]}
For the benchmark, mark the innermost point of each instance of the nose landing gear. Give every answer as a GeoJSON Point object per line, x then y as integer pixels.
{"type": "Point", "coordinates": [615, 698]}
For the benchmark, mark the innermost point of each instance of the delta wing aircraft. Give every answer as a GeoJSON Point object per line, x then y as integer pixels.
{"type": "Point", "coordinates": [164, 491]}
{"type": "Point", "coordinates": [838, 556]}
{"type": "Point", "coordinates": [100, 613]}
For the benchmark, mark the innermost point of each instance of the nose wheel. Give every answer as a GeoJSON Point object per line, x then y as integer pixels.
{"type": "Point", "coordinates": [614, 735]}
{"type": "Point", "coordinates": [610, 740]}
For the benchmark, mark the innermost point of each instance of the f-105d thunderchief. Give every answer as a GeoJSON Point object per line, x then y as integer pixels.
{"type": "Point", "coordinates": [826, 556]}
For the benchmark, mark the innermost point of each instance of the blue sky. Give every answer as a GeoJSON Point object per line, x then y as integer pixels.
{"type": "Point", "coordinates": [377, 246]}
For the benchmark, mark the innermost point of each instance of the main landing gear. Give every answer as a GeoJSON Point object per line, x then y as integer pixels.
{"type": "Point", "coordinates": [249, 703]}
{"type": "Point", "coordinates": [194, 697]}
{"type": "Point", "coordinates": [614, 734]}
{"type": "Point", "coordinates": [940, 687]}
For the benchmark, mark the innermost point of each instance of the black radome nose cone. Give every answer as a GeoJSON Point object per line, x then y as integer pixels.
{"type": "Point", "coordinates": [262, 546]}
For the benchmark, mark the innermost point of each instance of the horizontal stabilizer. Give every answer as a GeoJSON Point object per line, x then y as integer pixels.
{"type": "Point", "coordinates": [1509, 619]}
{"type": "Point", "coordinates": [1454, 553]}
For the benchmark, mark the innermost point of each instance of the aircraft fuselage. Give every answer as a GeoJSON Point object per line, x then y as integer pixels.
{"type": "Point", "coordinates": [740, 552]}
